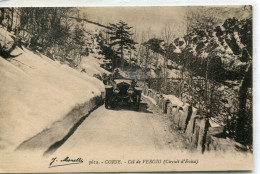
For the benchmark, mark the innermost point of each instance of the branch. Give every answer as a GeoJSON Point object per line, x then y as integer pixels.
{"type": "Point", "coordinates": [95, 23]}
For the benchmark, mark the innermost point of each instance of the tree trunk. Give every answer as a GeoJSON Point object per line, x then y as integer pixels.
{"type": "Point", "coordinates": [241, 134]}
{"type": "Point", "coordinates": [12, 11]}
{"type": "Point", "coordinates": [122, 56]}
{"type": "Point", "coordinates": [2, 17]}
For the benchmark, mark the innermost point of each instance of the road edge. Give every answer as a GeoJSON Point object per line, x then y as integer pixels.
{"type": "Point", "coordinates": [50, 139]}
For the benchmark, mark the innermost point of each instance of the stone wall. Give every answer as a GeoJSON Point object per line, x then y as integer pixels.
{"type": "Point", "coordinates": [199, 130]}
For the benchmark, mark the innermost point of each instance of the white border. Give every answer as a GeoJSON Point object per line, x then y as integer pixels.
{"type": "Point", "coordinates": [75, 3]}
{"type": "Point", "coordinates": [256, 30]}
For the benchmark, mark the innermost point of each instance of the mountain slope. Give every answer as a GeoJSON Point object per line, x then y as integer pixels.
{"type": "Point", "coordinates": [37, 91]}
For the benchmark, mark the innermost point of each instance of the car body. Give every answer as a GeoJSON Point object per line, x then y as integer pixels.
{"type": "Point", "coordinates": [123, 91]}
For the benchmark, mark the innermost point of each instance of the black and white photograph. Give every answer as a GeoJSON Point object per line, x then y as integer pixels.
{"type": "Point", "coordinates": [126, 89]}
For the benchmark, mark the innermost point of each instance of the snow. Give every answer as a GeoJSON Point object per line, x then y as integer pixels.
{"type": "Point", "coordinates": [193, 47]}
{"type": "Point", "coordinates": [122, 80]}
{"type": "Point", "coordinates": [204, 54]}
{"type": "Point", "coordinates": [6, 40]}
{"type": "Point", "coordinates": [184, 43]}
{"type": "Point", "coordinates": [152, 74]}
{"type": "Point", "coordinates": [177, 50]}
{"type": "Point", "coordinates": [238, 41]}
{"type": "Point", "coordinates": [92, 65]}
{"type": "Point", "coordinates": [173, 73]}
{"type": "Point", "coordinates": [204, 39]}
{"type": "Point", "coordinates": [213, 123]}
{"type": "Point", "coordinates": [149, 98]}
{"type": "Point", "coordinates": [160, 61]}
{"type": "Point", "coordinates": [122, 73]}
{"type": "Point", "coordinates": [37, 91]}
{"type": "Point", "coordinates": [174, 100]}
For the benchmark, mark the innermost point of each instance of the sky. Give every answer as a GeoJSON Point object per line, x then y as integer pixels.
{"type": "Point", "coordinates": [153, 19]}
{"type": "Point", "coordinates": [141, 18]}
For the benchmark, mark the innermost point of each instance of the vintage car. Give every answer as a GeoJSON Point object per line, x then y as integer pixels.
{"type": "Point", "coordinates": [123, 91]}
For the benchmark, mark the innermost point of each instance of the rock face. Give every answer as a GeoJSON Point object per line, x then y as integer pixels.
{"type": "Point", "coordinates": [225, 50]}
{"type": "Point", "coordinates": [231, 42]}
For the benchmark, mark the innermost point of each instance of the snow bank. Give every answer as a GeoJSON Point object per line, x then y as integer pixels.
{"type": "Point", "coordinates": [37, 91]}
{"type": "Point", "coordinates": [174, 100]}
{"type": "Point", "coordinates": [91, 65]}
{"type": "Point", "coordinates": [6, 41]}
{"type": "Point", "coordinates": [149, 98]}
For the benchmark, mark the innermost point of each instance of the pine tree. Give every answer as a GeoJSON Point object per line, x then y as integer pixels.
{"type": "Point", "coordinates": [121, 39]}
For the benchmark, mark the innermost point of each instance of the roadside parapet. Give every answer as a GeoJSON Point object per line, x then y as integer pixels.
{"type": "Point", "coordinates": [201, 132]}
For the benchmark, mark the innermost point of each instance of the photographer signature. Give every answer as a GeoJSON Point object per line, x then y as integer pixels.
{"type": "Point", "coordinates": [64, 162]}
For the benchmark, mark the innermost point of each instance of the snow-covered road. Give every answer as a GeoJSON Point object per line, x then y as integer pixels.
{"type": "Point", "coordinates": [115, 140]}
{"type": "Point", "coordinates": [121, 130]}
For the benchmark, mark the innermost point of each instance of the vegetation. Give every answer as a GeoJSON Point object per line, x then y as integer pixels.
{"type": "Point", "coordinates": [120, 38]}
{"type": "Point", "coordinates": [214, 66]}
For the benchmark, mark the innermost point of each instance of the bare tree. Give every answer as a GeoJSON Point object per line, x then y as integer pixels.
{"type": "Point", "coordinates": [201, 17]}
{"type": "Point", "coordinates": [167, 36]}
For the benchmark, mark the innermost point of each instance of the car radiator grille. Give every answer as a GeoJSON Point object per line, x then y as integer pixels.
{"type": "Point", "coordinates": [123, 90]}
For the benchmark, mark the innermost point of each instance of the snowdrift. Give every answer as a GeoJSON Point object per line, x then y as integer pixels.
{"type": "Point", "coordinates": [91, 65]}
{"type": "Point", "coordinates": [37, 91]}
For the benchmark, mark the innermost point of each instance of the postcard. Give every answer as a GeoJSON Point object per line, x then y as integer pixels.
{"type": "Point", "coordinates": [126, 89]}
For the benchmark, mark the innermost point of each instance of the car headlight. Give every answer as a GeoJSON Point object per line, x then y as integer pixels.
{"type": "Point", "coordinates": [130, 91]}
{"type": "Point", "coordinates": [116, 90]}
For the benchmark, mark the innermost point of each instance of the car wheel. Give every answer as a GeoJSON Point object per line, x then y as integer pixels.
{"type": "Point", "coordinates": [137, 104]}
{"type": "Point", "coordinates": [106, 105]}
{"type": "Point", "coordinates": [112, 105]}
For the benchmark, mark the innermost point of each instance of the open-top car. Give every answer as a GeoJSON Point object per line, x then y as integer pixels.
{"type": "Point", "coordinates": [123, 91]}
